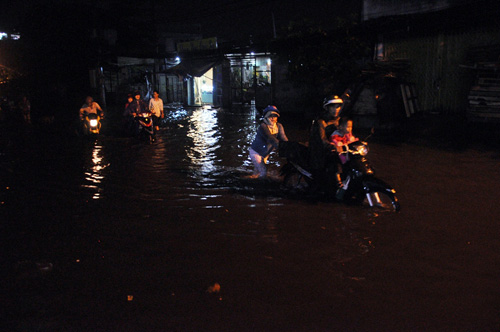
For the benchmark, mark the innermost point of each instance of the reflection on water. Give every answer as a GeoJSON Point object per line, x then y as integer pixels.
{"type": "Point", "coordinates": [205, 135]}
{"type": "Point", "coordinates": [94, 174]}
{"type": "Point", "coordinates": [217, 140]}
{"type": "Point", "coordinates": [179, 215]}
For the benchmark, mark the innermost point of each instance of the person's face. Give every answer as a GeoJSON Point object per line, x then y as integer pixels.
{"type": "Point", "coordinates": [347, 128]}
{"type": "Point", "coordinates": [130, 99]}
{"type": "Point", "coordinates": [137, 97]}
{"type": "Point", "coordinates": [334, 109]}
{"type": "Point", "coordinates": [89, 100]}
{"type": "Point", "coordinates": [155, 95]}
{"type": "Point", "coordinates": [273, 118]}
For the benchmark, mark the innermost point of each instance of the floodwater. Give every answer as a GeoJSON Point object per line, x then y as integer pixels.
{"type": "Point", "coordinates": [114, 235]}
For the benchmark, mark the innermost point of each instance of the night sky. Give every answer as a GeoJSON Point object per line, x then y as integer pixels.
{"type": "Point", "coordinates": [227, 19]}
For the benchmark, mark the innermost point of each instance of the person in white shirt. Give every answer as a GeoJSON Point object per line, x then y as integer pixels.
{"type": "Point", "coordinates": [90, 106]}
{"type": "Point", "coordinates": [156, 107]}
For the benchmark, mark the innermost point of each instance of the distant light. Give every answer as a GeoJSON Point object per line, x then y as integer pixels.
{"type": "Point", "coordinates": [252, 53]}
{"type": "Point", "coordinates": [3, 35]}
{"type": "Point", "coordinates": [15, 36]}
{"type": "Point", "coordinates": [177, 59]}
{"type": "Point", "coordinates": [269, 62]}
{"type": "Point", "coordinates": [206, 87]}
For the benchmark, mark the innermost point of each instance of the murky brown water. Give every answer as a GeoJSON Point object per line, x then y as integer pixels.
{"type": "Point", "coordinates": [112, 235]}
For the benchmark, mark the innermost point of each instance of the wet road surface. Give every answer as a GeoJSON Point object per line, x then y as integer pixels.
{"type": "Point", "coordinates": [114, 235]}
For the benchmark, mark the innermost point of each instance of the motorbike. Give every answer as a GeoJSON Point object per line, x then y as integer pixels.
{"type": "Point", "coordinates": [359, 183]}
{"type": "Point", "coordinates": [91, 123]}
{"type": "Point", "coordinates": [145, 131]}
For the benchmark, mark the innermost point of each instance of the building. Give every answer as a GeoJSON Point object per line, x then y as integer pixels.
{"type": "Point", "coordinates": [442, 41]}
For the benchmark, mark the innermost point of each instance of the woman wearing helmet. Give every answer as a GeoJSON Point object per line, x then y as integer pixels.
{"type": "Point", "coordinates": [268, 136]}
{"type": "Point", "coordinates": [321, 157]}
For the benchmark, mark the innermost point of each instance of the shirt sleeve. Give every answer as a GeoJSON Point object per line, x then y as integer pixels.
{"type": "Point", "coordinates": [281, 133]}
{"type": "Point", "coordinates": [322, 132]}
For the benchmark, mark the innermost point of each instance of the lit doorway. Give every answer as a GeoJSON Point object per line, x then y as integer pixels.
{"type": "Point", "coordinates": [204, 88]}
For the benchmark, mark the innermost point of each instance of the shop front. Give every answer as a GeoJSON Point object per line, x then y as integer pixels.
{"type": "Point", "coordinates": [251, 78]}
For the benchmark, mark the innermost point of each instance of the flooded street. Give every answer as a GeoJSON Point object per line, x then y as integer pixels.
{"type": "Point", "coordinates": [114, 235]}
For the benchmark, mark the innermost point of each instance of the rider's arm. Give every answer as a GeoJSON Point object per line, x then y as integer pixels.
{"type": "Point", "coordinates": [322, 133]}
{"type": "Point", "coordinates": [82, 111]}
{"type": "Point", "coordinates": [130, 110]}
{"type": "Point", "coordinates": [269, 137]}
{"type": "Point", "coordinates": [281, 133]}
{"type": "Point", "coordinates": [97, 106]}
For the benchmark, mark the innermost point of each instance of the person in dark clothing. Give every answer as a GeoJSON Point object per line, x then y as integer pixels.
{"type": "Point", "coordinates": [321, 158]}
{"type": "Point", "coordinates": [137, 106]}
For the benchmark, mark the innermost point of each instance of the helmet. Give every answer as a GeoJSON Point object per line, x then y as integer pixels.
{"type": "Point", "coordinates": [269, 110]}
{"type": "Point", "coordinates": [332, 100]}
{"type": "Point", "coordinates": [137, 93]}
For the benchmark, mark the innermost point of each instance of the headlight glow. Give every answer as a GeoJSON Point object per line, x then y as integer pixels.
{"type": "Point", "coordinates": [362, 150]}
{"type": "Point", "coordinates": [93, 123]}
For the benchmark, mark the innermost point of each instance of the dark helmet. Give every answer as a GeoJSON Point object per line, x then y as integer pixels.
{"type": "Point", "coordinates": [137, 93]}
{"type": "Point", "coordinates": [270, 110]}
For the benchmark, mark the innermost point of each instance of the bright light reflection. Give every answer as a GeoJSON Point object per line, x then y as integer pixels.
{"type": "Point", "coordinates": [94, 173]}
{"type": "Point", "coordinates": [204, 133]}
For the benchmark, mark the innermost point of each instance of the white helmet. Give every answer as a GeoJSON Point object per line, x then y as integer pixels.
{"type": "Point", "coordinates": [332, 100]}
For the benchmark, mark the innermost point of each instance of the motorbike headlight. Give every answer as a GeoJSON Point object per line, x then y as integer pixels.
{"type": "Point", "coordinates": [93, 123]}
{"type": "Point", "coordinates": [362, 150]}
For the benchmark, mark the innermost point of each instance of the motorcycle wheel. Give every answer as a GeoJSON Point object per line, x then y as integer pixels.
{"type": "Point", "coordinates": [379, 195]}
{"type": "Point", "coordinates": [383, 199]}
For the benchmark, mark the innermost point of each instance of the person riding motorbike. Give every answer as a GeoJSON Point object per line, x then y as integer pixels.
{"type": "Point", "coordinates": [90, 106]}
{"type": "Point", "coordinates": [322, 155]}
{"type": "Point", "coordinates": [135, 107]}
{"type": "Point", "coordinates": [341, 139]}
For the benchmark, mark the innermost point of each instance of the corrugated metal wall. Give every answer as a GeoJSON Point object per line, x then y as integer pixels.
{"type": "Point", "coordinates": [442, 84]}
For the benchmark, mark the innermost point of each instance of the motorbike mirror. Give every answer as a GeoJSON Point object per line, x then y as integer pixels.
{"type": "Point", "coordinates": [372, 131]}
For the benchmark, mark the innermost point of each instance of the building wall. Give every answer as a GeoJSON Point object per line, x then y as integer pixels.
{"type": "Point", "coordinates": [437, 66]}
